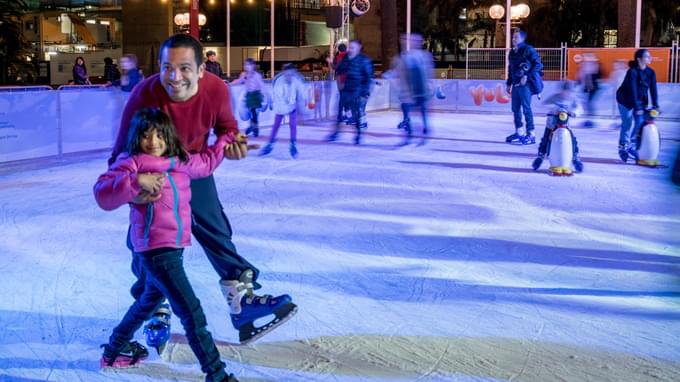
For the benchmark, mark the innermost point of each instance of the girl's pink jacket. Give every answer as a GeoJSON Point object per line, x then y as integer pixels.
{"type": "Point", "coordinates": [167, 221]}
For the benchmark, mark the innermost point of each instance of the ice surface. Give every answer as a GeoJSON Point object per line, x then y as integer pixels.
{"type": "Point", "coordinates": [448, 262]}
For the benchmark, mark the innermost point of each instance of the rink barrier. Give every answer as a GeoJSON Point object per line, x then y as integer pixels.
{"type": "Point", "coordinates": [38, 122]}
{"type": "Point", "coordinates": [24, 89]}
{"type": "Point", "coordinates": [484, 96]}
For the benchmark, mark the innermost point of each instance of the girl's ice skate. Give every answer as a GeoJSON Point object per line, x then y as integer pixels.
{"type": "Point", "coordinates": [157, 330]}
{"type": "Point", "coordinates": [127, 356]}
{"type": "Point", "coordinates": [247, 307]}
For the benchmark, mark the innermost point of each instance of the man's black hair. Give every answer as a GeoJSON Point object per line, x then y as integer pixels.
{"type": "Point", "coordinates": [182, 40]}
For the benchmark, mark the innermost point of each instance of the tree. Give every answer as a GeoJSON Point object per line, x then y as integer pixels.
{"type": "Point", "coordinates": [14, 49]}
{"type": "Point", "coordinates": [658, 22]}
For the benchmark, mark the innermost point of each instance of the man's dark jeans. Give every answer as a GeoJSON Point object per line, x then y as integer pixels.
{"type": "Point", "coordinates": [521, 102]}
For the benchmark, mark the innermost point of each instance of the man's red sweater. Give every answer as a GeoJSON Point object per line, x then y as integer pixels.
{"type": "Point", "coordinates": [209, 108]}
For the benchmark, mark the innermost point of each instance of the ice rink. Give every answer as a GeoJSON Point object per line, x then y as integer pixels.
{"type": "Point", "coordinates": [453, 261]}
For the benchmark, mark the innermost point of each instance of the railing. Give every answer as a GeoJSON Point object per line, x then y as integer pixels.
{"type": "Point", "coordinates": [489, 63]}
{"type": "Point", "coordinates": [24, 89]}
{"type": "Point", "coordinates": [675, 63]}
{"type": "Point", "coordinates": [82, 87]}
{"type": "Point", "coordinates": [305, 4]}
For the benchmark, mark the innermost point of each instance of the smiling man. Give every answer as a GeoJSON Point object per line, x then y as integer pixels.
{"type": "Point", "coordinates": [198, 101]}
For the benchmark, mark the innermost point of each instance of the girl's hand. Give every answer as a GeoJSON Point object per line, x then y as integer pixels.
{"type": "Point", "coordinates": [152, 182]}
{"type": "Point", "coordinates": [144, 197]}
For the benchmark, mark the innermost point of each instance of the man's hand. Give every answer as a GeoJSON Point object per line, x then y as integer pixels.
{"type": "Point", "coordinates": [238, 149]}
{"type": "Point", "coordinates": [523, 80]}
{"type": "Point", "coordinates": [145, 197]}
{"type": "Point", "coordinates": [508, 89]}
{"type": "Point", "coordinates": [152, 182]}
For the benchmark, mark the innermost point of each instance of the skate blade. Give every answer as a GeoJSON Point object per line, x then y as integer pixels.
{"type": "Point", "coordinates": [260, 332]}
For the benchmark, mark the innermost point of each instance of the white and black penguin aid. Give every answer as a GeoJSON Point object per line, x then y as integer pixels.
{"type": "Point", "coordinates": [561, 152]}
{"type": "Point", "coordinates": [648, 140]}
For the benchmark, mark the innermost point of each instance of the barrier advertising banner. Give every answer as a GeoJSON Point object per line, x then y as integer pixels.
{"type": "Point", "coordinates": [28, 125]}
{"type": "Point", "coordinates": [613, 62]}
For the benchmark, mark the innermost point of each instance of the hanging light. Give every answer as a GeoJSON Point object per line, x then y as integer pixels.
{"type": "Point", "coordinates": [524, 10]}
{"type": "Point", "coordinates": [496, 11]}
{"type": "Point", "coordinates": [182, 19]}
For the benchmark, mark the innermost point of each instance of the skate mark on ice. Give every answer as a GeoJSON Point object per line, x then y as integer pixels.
{"type": "Point", "coordinates": [413, 357]}
{"type": "Point", "coordinates": [472, 166]}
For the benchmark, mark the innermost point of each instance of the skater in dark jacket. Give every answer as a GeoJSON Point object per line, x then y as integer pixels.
{"type": "Point", "coordinates": [211, 65]}
{"type": "Point", "coordinates": [524, 80]}
{"type": "Point", "coordinates": [633, 97]}
{"type": "Point", "coordinates": [358, 71]}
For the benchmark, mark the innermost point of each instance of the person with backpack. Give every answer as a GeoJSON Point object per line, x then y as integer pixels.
{"type": "Point", "coordinates": [524, 80]}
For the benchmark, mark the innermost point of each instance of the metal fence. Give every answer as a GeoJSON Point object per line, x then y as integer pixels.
{"type": "Point", "coordinates": [675, 63]}
{"type": "Point", "coordinates": [489, 63]}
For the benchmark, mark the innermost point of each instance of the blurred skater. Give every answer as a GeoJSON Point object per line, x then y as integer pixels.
{"type": "Point", "coordinates": [413, 68]}
{"type": "Point", "coordinates": [564, 101]}
{"type": "Point", "coordinates": [254, 93]}
{"type": "Point", "coordinates": [589, 78]}
{"type": "Point", "coordinates": [288, 91]}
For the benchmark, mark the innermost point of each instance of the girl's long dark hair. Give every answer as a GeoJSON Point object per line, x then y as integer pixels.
{"type": "Point", "coordinates": [148, 119]}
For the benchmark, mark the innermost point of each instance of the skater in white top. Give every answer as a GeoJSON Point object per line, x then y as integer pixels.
{"type": "Point", "coordinates": [288, 91]}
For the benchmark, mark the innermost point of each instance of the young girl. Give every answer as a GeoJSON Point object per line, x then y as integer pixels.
{"type": "Point", "coordinates": [254, 96]}
{"type": "Point", "coordinates": [562, 101]}
{"type": "Point", "coordinates": [633, 97]}
{"type": "Point", "coordinates": [156, 163]}
{"type": "Point", "coordinates": [288, 90]}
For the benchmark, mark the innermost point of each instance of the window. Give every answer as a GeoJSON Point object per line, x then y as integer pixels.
{"type": "Point", "coordinates": [610, 38]}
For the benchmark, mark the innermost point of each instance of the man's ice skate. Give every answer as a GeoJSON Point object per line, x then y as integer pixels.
{"type": "Point", "coordinates": [157, 330]}
{"type": "Point", "coordinates": [536, 164]}
{"type": "Point", "coordinates": [516, 137]}
{"type": "Point", "coordinates": [128, 356]}
{"type": "Point", "coordinates": [247, 308]}
{"type": "Point", "coordinates": [293, 150]}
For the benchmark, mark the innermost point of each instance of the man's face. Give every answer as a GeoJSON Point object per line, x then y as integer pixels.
{"type": "Point", "coordinates": [212, 58]}
{"type": "Point", "coordinates": [353, 49]}
{"type": "Point", "coordinates": [180, 73]}
{"type": "Point", "coordinates": [517, 39]}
